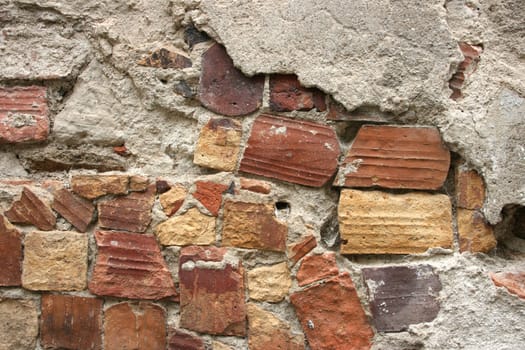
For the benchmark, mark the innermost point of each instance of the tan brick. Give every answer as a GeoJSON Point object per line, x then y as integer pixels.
{"type": "Point", "coordinates": [138, 183]}
{"type": "Point", "coordinates": [375, 222]}
{"type": "Point", "coordinates": [220, 346]}
{"type": "Point", "coordinates": [475, 234]}
{"type": "Point", "coordinates": [470, 189]}
{"type": "Point", "coordinates": [192, 227]}
{"type": "Point", "coordinates": [172, 199]}
{"type": "Point", "coordinates": [18, 324]}
{"type": "Point", "coordinates": [269, 283]}
{"type": "Point", "coordinates": [255, 185]}
{"type": "Point", "coordinates": [94, 186]}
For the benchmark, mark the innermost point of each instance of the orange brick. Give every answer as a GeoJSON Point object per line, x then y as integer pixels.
{"type": "Point", "coordinates": [470, 189]}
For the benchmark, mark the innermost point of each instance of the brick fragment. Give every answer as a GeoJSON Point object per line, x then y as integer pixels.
{"type": "Point", "coordinates": [94, 186]}
{"type": "Point", "coordinates": [10, 254]}
{"type": "Point", "coordinates": [224, 89]}
{"type": "Point", "coordinates": [129, 213]}
{"type": "Point", "coordinates": [139, 326]}
{"type": "Point", "coordinates": [192, 227]}
{"type": "Point", "coordinates": [70, 322]}
{"type": "Point", "coordinates": [297, 250]}
{"type": "Point", "coordinates": [211, 280]}
{"type": "Point", "coordinates": [138, 183]}
{"type": "Point", "coordinates": [402, 295]}
{"type": "Point", "coordinates": [253, 225]}
{"type": "Point", "coordinates": [162, 186]}
{"type": "Point", "coordinates": [210, 195]}
{"type": "Point", "coordinates": [287, 94]}
{"type": "Point", "coordinates": [395, 157]}
{"type": "Point", "coordinates": [55, 261]}
{"type": "Point", "coordinates": [257, 186]}
{"type": "Point", "coordinates": [18, 324]}
{"type": "Point", "coordinates": [130, 265]}
{"type": "Point", "coordinates": [332, 317]}
{"type": "Point", "coordinates": [180, 340]}
{"type": "Point", "coordinates": [317, 267]}
{"type": "Point", "coordinates": [466, 68]}
{"type": "Point", "coordinates": [370, 222]}
{"type": "Point", "coordinates": [475, 234]}
{"type": "Point", "coordinates": [338, 112]}
{"type": "Point", "coordinates": [23, 114]}
{"type": "Point", "coordinates": [514, 282]}
{"type": "Point", "coordinates": [172, 200]}
{"type": "Point", "coordinates": [219, 144]}
{"type": "Point", "coordinates": [76, 210]}
{"type": "Point", "coordinates": [164, 58]}
{"type": "Point", "coordinates": [470, 189]}
{"type": "Point", "coordinates": [269, 283]}
{"type": "Point", "coordinates": [30, 209]}
{"type": "Point", "coordinates": [291, 150]}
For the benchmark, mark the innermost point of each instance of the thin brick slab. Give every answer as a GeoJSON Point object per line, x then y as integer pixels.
{"type": "Point", "coordinates": [224, 89]}
{"type": "Point", "coordinates": [291, 150]}
{"type": "Point", "coordinates": [257, 186]}
{"type": "Point", "coordinates": [18, 324]}
{"type": "Point", "coordinates": [402, 295]}
{"type": "Point", "coordinates": [210, 195]}
{"type": "Point", "coordinates": [375, 222]}
{"type": "Point", "coordinates": [23, 114]}
{"type": "Point", "coordinates": [30, 209]}
{"type": "Point", "coordinates": [78, 211]}
{"type": "Point", "coordinates": [211, 291]}
{"type": "Point", "coordinates": [297, 250]}
{"type": "Point", "coordinates": [180, 340]}
{"type": "Point", "coordinates": [514, 282]}
{"type": "Point", "coordinates": [10, 254]}
{"type": "Point", "coordinates": [70, 322]}
{"type": "Point", "coordinates": [94, 186]}
{"type": "Point", "coordinates": [395, 157]}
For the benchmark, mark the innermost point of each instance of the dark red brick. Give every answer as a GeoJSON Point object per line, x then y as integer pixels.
{"type": "Point", "coordinates": [291, 150]}
{"type": "Point", "coordinates": [76, 210]}
{"type": "Point", "coordinates": [70, 322]}
{"type": "Point", "coordinates": [184, 341]}
{"type": "Point", "coordinates": [130, 265]}
{"type": "Point", "coordinates": [514, 282]}
{"type": "Point", "coordinates": [23, 114]}
{"type": "Point", "coordinates": [287, 94]}
{"type": "Point", "coordinates": [10, 254]}
{"type": "Point", "coordinates": [226, 90]}
{"type": "Point", "coordinates": [402, 295]}
{"type": "Point", "coordinates": [211, 298]}
{"type": "Point", "coordinates": [164, 58]}
{"type": "Point", "coordinates": [317, 267]}
{"type": "Point", "coordinates": [210, 195]}
{"type": "Point", "coordinates": [297, 250]}
{"type": "Point", "coordinates": [30, 209]}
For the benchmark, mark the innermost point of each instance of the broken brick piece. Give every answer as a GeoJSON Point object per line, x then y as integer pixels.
{"type": "Point", "coordinates": [10, 254]}
{"type": "Point", "coordinates": [130, 265]}
{"type": "Point", "coordinates": [226, 90]}
{"type": "Point", "coordinates": [338, 112]}
{"type": "Point", "coordinates": [210, 195]}
{"type": "Point", "coordinates": [514, 282]}
{"type": "Point", "coordinates": [23, 114]}
{"type": "Point", "coordinates": [287, 94]}
{"type": "Point", "coordinates": [297, 250]}
{"type": "Point", "coordinates": [94, 186]}
{"type": "Point", "coordinates": [76, 210]}
{"type": "Point", "coordinates": [475, 234]}
{"type": "Point", "coordinates": [71, 322]}
{"type": "Point", "coordinates": [470, 189]}
{"type": "Point", "coordinates": [291, 150]}
{"type": "Point", "coordinates": [257, 186]}
{"type": "Point", "coordinates": [30, 209]}
{"type": "Point", "coordinates": [402, 295]}
{"type": "Point", "coordinates": [180, 340]}
{"type": "Point", "coordinates": [138, 183]}
{"type": "Point", "coordinates": [211, 291]}
{"type": "Point", "coordinates": [466, 68]}
{"type": "Point", "coordinates": [189, 228]}
{"type": "Point", "coordinates": [164, 58]}
{"type": "Point", "coordinates": [317, 267]}
{"type": "Point", "coordinates": [172, 200]}
{"type": "Point", "coordinates": [395, 157]}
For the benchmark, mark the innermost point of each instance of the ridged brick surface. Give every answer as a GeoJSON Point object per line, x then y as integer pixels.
{"type": "Point", "coordinates": [76, 210]}
{"type": "Point", "coordinates": [30, 209]}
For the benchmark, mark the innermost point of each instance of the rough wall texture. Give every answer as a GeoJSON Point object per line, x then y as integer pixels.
{"type": "Point", "coordinates": [181, 155]}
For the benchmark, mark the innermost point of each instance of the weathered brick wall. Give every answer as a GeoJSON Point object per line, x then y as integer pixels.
{"type": "Point", "coordinates": [155, 197]}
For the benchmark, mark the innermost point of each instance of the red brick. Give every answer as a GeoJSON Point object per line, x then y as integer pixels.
{"type": "Point", "coordinates": [297, 250]}
{"type": "Point", "coordinates": [395, 157]}
{"type": "Point", "coordinates": [71, 322]}
{"type": "Point", "coordinates": [470, 189]}
{"type": "Point", "coordinates": [30, 209]}
{"type": "Point", "coordinates": [332, 316]}
{"type": "Point", "coordinates": [121, 150]}
{"type": "Point", "coordinates": [23, 114]}
{"type": "Point", "coordinates": [210, 195]}
{"type": "Point", "coordinates": [317, 267]}
{"type": "Point", "coordinates": [257, 186]}
{"type": "Point", "coordinates": [514, 282]}
{"type": "Point", "coordinates": [76, 210]}
{"type": "Point", "coordinates": [180, 340]}
{"type": "Point", "coordinates": [224, 89]}
{"type": "Point", "coordinates": [130, 265]}
{"type": "Point", "coordinates": [139, 326]}
{"type": "Point", "coordinates": [402, 295]}
{"type": "Point", "coordinates": [291, 150]}
{"type": "Point", "coordinates": [211, 291]}
{"type": "Point", "coordinates": [287, 94]}
{"type": "Point", "coordinates": [164, 58]}
{"type": "Point", "coordinates": [468, 66]}
{"type": "Point", "coordinates": [10, 254]}
{"type": "Point", "coordinates": [338, 112]}
{"type": "Point", "coordinates": [128, 213]}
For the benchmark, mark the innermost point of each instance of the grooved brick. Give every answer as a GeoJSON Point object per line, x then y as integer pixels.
{"type": "Point", "coordinates": [30, 209]}
{"type": "Point", "coordinates": [76, 210]}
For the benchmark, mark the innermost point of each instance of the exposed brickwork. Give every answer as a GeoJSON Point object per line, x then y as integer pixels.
{"type": "Point", "coordinates": [470, 189]}
{"type": "Point", "coordinates": [78, 211]}
{"type": "Point", "coordinates": [471, 54]}
{"type": "Point", "coordinates": [189, 228]}
{"type": "Point", "coordinates": [10, 254]}
{"type": "Point", "coordinates": [287, 94]}
{"type": "Point", "coordinates": [317, 267]}
{"type": "Point", "coordinates": [475, 234]}
{"type": "Point", "coordinates": [269, 283]}
{"type": "Point", "coordinates": [210, 195]}
{"type": "Point", "coordinates": [255, 185]}
{"type": "Point", "coordinates": [30, 209]}
{"type": "Point", "coordinates": [297, 250]}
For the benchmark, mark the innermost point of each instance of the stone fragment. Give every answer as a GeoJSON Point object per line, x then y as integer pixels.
{"type": "Point", "coordinates": [253, 225]}
{"type": "Point", "coordinates": [466, 68]}
{"type": "Point", "coordinates": [172, 200]}
{"type": "Point", "coordinates": [164, 58]}
{"type": "Point", "coordinates": [192, 227]}
{"type": "Point", "coordinates": [317, 267]}
{"type": "Point", "coordinates": [269, 283]}
{"type": "Point", "coordinates": [210, 195]}
{"type": "Point", "coordinates": [10, 254]}
{"type": "Point", "coordinates": [139, 326]}
{"type": "Point", "coordinates": [291, 150]}
{"type": "Point", "coordinates": [23, 114]}
{"type": "Point", "coordinates": [130, 265]}
{"type": "Point", "coordinates": [129, 213]}
{"type": "Point", "coordinates": [226, 90]}
{"type": "Point", "coordinates": [402, 295]}
{"type": "Point", "coordinates": [94, 186]}
{"type": "Point", "coordinates": [470, 189]}
{"type": "Point", "coordinates": [475, 234]}
{"type": "Point", "coordinates": [138, 183]}
{"type": "Point", "coordinates": [211, 280]}
{"type": "Point", "coordinates": [71, 322]}
{"type": "Point", "coordinates": [30, 209]}
{"type": "Point", "coordinates": [338, 112]}
{"type": "Point", "coordinates": [18, 324]}
{"type": "Point", "coordinates": [332, 317]}
{"type": "Point", "coordinates": [374, 222]}
{"type": "Point", "coordinates": [193, 36]}
{"type": "Point", "coordinates": [220, 346]}
{"type": "Point", "coordinates": [219, 144]}
{"type": "Point", "coordinates": [266, 331]}
{"type": "Point", "coordinates": [255, 185]}
{"type": "Point", "coordinates": [56, 260]}
{"type": "Point", "coordinates": [76, 210]}
{"type": "Point", "coordinates": [514, 282]}
{"type": "Point", "coordinates": [162, 186]}
{"type": "Point", "coordinates": [395, 157]}
{"type": "Point", "coordinates": [287, 94]}
{"type": "Point", "coordinates": [297, 250]}
{"type": "Point", "coordinates": [184, 341]}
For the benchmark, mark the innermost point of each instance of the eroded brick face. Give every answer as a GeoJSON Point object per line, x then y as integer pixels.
{"type": "Point", "coordinates": [10, 254]}
{"type": "Point", "coordinates": [287, 94]}
{"type": "Point", "coordinates": [317, 267]}
{"type": "Point", "coordinates": [164, 58]}
{"type": "Point", "coordinates": [190, 228]}
{"type": "Point", "coordinates": [470, 189]}
{"type": "Point", "coordinates": [514, 282]}
{"type": "Point", "coordinates": [475, 234]}
{"type": "Point", "coordinates": [18, 324]}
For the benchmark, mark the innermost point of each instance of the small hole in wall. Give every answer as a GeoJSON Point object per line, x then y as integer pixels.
{"type": "Point", "coordinates": [510, 232]}
{"type": "Point", "coordinates": [164, 81]}
{"type": "Point", "coordinates": [282, 209]}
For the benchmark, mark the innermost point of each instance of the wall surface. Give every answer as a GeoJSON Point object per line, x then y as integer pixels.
{"type": "Point", "coordinates": [218, 174]}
